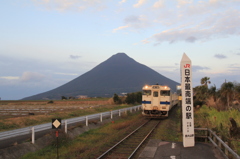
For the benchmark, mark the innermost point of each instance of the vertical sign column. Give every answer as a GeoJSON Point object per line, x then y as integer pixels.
{"type": "Point", "coordinates": [187, 102]}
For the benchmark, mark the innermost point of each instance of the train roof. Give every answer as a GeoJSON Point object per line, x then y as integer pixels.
{"type": "Point", "coordinates": [156, 87]}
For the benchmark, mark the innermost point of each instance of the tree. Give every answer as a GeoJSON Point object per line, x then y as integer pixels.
{"type": "Point", "coordinates": [236, 91]}
{"type": "Point", "coordinates": [133, 98]}
{"type": "Point", "coordinates": [64, 98]}
{"type": "Point", "coordinates": [130, 98]}
{"type": "Point", "coordinates": [212, 91]}
{"type": "Point", "coordinates": [138, 97]}
{"type": "Point", "coordinates": [116, 98]}
{"type": "Point", "coordinates": [200, 95]}
{"type": "Point", "coordinates": [205, 81]}
{"type": "Point", "coordinates": [201, 92]}
{"type": "Point", "coordinates": [227, 90]}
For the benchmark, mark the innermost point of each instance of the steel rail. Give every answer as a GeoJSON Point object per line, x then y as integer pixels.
{"type": "Point", "coordinates": [47, 126]}
{"type": "Point", "coordinates": [117, 144]}
{"type": "Point", "coordinates": [143, 141]}
{"type": "Point", "coordinates": [121, 140]}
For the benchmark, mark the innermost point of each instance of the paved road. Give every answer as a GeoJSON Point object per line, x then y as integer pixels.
{"type": "Point", "coordinates": [157, 149]}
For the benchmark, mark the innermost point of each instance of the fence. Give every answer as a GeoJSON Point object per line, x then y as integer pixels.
{"type": "Point", "coordinates": [217, 142]}
{"type": "Point", "coordinates": [38, 128]}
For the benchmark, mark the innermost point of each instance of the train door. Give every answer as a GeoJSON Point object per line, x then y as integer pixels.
{"type": "Point", "coordinates": [155, 100]}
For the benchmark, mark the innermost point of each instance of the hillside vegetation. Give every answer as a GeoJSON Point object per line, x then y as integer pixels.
{"type": "Point", "coordinates": [219, 109]}
{"type": "Point", "coordinates": [207, 117]}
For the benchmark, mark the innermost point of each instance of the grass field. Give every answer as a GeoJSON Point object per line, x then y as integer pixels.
{"type": "Point", "coordinates": [63, 109]}
{"type": "Point", "coordinates": [93, 143]}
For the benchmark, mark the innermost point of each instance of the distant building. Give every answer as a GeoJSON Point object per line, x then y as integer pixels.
{"type": "Point", "coordinates": [82, 96]}
{"type": "Point", "coordinates": [124, 94]}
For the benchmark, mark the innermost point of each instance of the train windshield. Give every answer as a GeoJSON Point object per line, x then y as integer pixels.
{"type": "Point", "coordinates": [147, 92]}
{"type": "Point", "coordinates": [165, 93]}
{"type": "Point", "coordinates": [155, 94]}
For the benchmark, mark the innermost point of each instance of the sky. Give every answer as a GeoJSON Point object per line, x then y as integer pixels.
{"type": "Point", "coordinates": [47, 43]}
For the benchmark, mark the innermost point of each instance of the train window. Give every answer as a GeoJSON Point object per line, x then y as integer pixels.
{"type": "Point", "coordinates": [155, 87]}
{"type": "Point", "coordinates": [147, 92]}
{"type": "Point", "coordinates": [165, 93]}
{"type": "Point", "coordinates": [155, 94]}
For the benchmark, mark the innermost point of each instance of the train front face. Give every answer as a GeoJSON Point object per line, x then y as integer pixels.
{"type": "Point", "coordinates": [155, 101]}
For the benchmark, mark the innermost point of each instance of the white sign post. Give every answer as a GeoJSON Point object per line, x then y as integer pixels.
{"type": "Point", "coordinates": [187, 102]}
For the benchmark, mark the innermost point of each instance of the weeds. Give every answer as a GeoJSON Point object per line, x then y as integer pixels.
{"type": "Point", "coordinates": [169, 129]}
{"type": "Point", "coordinates": [92, 143]}
{"type": "Point", "coordinates": [7, 126]}
{"type": "Point", "coordinates": [218, 121]}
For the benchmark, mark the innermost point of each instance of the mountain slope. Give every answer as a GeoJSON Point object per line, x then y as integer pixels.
{"type": "Point", "coordinates": [117, 74]}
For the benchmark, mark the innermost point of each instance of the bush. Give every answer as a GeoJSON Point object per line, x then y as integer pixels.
{"type": "Point", "coordinates": [133, 98]}
{"type": "Point", "coordinates": [116, 99]}
{"type": "Point", "coordinates": [197, 102]}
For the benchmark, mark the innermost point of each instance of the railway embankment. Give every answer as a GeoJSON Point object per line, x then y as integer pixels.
{"type": "Point", "coordinates": [16, 151]}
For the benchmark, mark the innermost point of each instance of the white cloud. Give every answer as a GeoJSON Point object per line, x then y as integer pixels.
{"type": "Point", "coordinates": [213, 1]}
{"type": "Point", "coordinates": [213, 26]}
{"type": "Point", "coordinates": [74, 5]}
{"type": "Point", "coordinates": [75, 56]}
{"type": "Point", "coordinates": [234, 67]}
{"type": "Point", "coordinates": [184, 2]}
{"type": "Point", "coordinates": [139, 3]}
{"type": "Point", "coordinates": [158, 4]}
{"type": "Point", "coordinates": [10, 77]}
{"type": "Point", "coordinates": [145, 41]}
{"type": "Point", "coordinates": [135, 22]}
{"type": "Point", "coordinates": [67, 74]}
{"type": "Point", "coordinates": [32, 77]}
{"type": "Point", "coordinates": [120, 28]}
{"type": "Point", "coordinates": [122, 1]}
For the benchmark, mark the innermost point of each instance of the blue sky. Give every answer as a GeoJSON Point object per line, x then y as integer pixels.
{"type": "Point", "coordinates": [46, 43]}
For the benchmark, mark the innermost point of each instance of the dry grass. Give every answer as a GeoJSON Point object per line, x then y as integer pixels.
{"type": "Point", "coordinates": [169, 129]}
{"type": "Point", "coordinates": [63, 109]}
{"type": "Point", "coordinates": [93, 143]}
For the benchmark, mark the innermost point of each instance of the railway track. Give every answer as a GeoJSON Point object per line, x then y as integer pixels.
{"type": "Point", "coordinates": [128, 146]}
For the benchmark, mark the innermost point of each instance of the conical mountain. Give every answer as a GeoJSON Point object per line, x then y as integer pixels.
{"type": "Point", "coordinates": [118, 74]}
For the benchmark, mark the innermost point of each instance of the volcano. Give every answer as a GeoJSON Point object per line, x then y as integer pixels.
{"type": "Point", "coordinates": [118, 74]}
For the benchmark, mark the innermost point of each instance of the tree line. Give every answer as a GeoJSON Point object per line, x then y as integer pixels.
{"type": "Point", "coordinates": [131, 98]}
{"type": "Point", "coordinates": [226, 96]}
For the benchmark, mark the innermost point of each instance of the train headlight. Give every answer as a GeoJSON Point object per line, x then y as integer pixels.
{"type": "Point", "coordinates": [146, 86]}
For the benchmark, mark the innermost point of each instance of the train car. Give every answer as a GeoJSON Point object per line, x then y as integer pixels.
{"type": "Point", "coordinates": [157, 101]}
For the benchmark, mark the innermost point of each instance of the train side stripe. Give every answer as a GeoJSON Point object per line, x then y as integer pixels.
{"type": "Point", "coordinates": [146, 102]}
{"type": "Point", "coordinates": [164, 102]}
